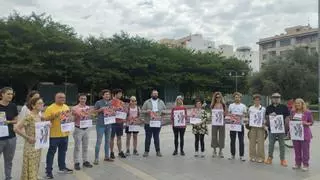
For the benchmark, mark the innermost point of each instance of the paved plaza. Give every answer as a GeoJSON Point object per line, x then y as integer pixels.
{"type": "Point", "coordinates": [179, 168]}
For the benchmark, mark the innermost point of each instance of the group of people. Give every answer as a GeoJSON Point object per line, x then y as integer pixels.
{"type": "Point", "coordinates": [113, 117]}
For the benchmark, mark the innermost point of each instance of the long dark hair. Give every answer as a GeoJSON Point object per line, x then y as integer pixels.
{"type": "Point", "coordinates": [30, 95]}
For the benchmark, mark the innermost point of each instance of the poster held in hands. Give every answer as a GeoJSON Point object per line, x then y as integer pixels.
{"type": "Point", "coordinates": [4, 130]}
{"type": "Point", "coordinates": [42, 135]}
{"type": "Point", "coordinates": [179, 118]}
{"type": "Point", "coordinates": [234, 123]}
{"type": "Point", "coordinates": [86, 123]}
{"type": "Point", "coordinates": [296, 130]}
{"type": "Point", "coordinates": [256, 119]}
{"type": "Point", "coordinates": [217, 117]}
{"type": "Point", "coordinates": [195, 121]}
{"type": "Point", "coordinates": [277, 124]}
{"type": "Point", "coordinates": [134, 128]}
{"type": "Point", "coordinates": [121, 115]}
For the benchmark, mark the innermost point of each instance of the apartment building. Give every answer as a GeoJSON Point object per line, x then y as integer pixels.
{"type": "Point", "coordinates": [249, 56]}
{"type": "Point", "coordinates": [297, 36]}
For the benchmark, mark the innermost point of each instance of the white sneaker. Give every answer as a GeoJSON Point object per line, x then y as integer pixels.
{"type": "Point", "coordinates": [304, 168]}
{"type": "Point", "coordinates": [196, 154]}
{"type": "Point", "coordinates": [202, 154]}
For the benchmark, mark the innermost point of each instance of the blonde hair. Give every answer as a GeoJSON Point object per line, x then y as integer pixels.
{"type": "Point", "coordinates": [304, 105]}
{"type": "Point", "coordinates": [237, 94]}
{"type": "Point", "coordinates": [179, 97]}
{"type": "Point", "coordinates": [213, 101]}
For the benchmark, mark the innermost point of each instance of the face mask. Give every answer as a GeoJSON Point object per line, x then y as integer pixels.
{"type": "Point", "coordinates": [154, 97]}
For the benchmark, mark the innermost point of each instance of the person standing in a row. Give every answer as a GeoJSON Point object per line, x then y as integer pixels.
{"type": "Point", "coordinates": [103, 107]}
{"type": "Point", "coordinates": [26, 128]}
{"type": "Point", "coordinates": [218, 132]}
{"type": "Point", "coordinates": [24, 110]}
{"type": "Point", "coordinates": [9, 117]}
{"type": "Point", "coordinates": [276, 108]}
{"type": "Point", "coordinates": [178, 119]}
{"type": "Point", "coordinates": [81, 112]}
{"type": "Point", "coordinates": [256, 137]}
{"type": "Point", "coordinates": [57, 112]}
{"type": "Point", "coordinates": [201, 129]}
{"type": "Point", "coordinates": [239, 110]}
{"type": "Point", "coordinates": [153, 110]}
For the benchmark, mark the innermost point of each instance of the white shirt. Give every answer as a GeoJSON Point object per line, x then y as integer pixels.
{"type": "Point", "coordinates": [238, 109]}
{"type": "Point", "coordinates": [154, 105]}
{"type": "Point", "coordinates": [253, 109]}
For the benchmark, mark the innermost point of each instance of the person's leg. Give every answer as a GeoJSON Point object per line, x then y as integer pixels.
{"type": "Point", "coordinates": [119, 133]}
{"type": "Point", "coordinates": [8, 154]}
{"type": "Point", "coordinates": [85, 145]}
{"type": "Point", "coordinates": [100, 131]}
{"type": "Point", "coordinates": [214, 137]}
{"type": "Point", "coordinates": [260, 139]}
{"type": "Point", "coordinates": [148, 136]}
{"type": "Point", "coordinates": [196, 142]}
{"type": "Point", "coordinates": [53, 145]}
{"type": "Point", "coordinates": [156, 138]}
{"type": "Point", "coordinates": [297, 152]}
{"type": "Point", "coordinates": [113, 135]}
{"type": "Point", "coordinates": [128, 141]}
{"type": "Point", "coordinates": [222, 135]}
{"type": "Point", "coordinates": [202, 142]}
{"type": "Point", "coordinates": [135, 141]}
{"type": "Point", "coordinates": [77, 136]}
{"type": "Point", "coordinates": [233, 135]}
{"type": "Point", "coordinates": [62, 150]}
{"type": "Point", "coordinates": [282, 146]}
{"type": "Point", "coordinates": [253, 143]}
{"type": "Point", "coordinates": [175, 139]}
{"type": "Point", "coordinates": [107, 134]}
{"type": "Point", "coordinates": [305, 152]}
{"type": "Point", "coordinates": [182, 131]}
{"type": "Point", "coordinates": [272, 140]}
{"type": "Point", "coordinates": [241, 142]}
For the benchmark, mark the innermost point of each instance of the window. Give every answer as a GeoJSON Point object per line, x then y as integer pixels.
{"type": "Point", "coordinates": [264, 57]}
{"type": "Point", "coordinates": [304, 39]}
{"type": "Point", "coordinates": [285, 42]}
{"type": "Point", "coordinates": [269, 45]}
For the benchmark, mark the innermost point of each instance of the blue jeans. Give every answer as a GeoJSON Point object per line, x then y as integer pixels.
{"type": "Point", "coordinates": [155, 132]}
{"type": "Point", "coordinates": [62, 145]}
{"type": "Point", "coordinates": [103, 130]}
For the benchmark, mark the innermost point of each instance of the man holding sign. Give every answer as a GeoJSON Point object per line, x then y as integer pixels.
{"type": "Point", "coordinates": [81, 114]}
{"type": "Point", "coordinates": [153, 109]}
{"type": "Point", "coordinates": [257, 131]}
{"type": "Point", "coordinates": [117, 128]}
{"type": "Point", "coordinates": [57, 113]}
{"type": "Point", "coordinates": [105, 112]}
{"type": "Point", "coordinates": [237, 111]}
{"type": "Point", "coordinates": [276, 114]}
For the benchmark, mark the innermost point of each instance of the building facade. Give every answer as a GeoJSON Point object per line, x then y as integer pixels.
{"type": "Point", "coordinates": [297, 36]}
{"type": "Point", "coordinates": [249, 56]}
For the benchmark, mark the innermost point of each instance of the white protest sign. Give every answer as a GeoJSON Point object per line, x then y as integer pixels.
{"type": "Point", "coordinates": [110, 120]}
{"type": "Point", "coordinates": [42, 135]}
{"type": "Point", "coordinates": [277, 124]}
{"type": "Point", "coordinates": [67, 127]}
{"type": "Point", "coordinates": [156, 124]}
{"type": "Point", "coordinates": [296, 130]}
{"type": "Point", "coordinates": [179, 118]}
{"type": "Point", "coordinates": [217, 117]}
{"type": "Point", "coordinates": [86, 123]}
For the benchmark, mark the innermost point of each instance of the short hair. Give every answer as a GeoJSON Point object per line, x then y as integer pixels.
{"type": "Point", "coordinates": [32, 102]}
{"type": "Point", "coordinates": [60, 93]}
{"type": "Point", "coordinates": [102, 92]}
{"type": "Point", "coordinates": [4, 90]}
{"type": "Point", "coordinates": [116, 91]}
{"type": "Point", "coordinates": [197, 100]}
{"type": "Point", "coordinates": [81, 94]}
{"type": "Point", "coordinates": [237, 94]}
{"type": "Point", "coordinates": [255, 96]}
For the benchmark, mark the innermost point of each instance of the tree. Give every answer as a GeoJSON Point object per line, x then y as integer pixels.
{"type": "Point", "coordinates": [293, 75]}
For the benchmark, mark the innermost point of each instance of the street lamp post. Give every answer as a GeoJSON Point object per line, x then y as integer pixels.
{"type": "Point", "coordinates": [237, 76]}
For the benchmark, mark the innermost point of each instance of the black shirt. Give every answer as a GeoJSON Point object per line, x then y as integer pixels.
{"type": "Point", "coordinates": [11, 111]}
{"type": "Point", "coordinates": [279, 110]}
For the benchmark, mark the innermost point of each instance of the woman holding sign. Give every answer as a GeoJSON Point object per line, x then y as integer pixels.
{"type": "Point", "coordinates": [300, 132]}
{"type": "Point", "coordinates": [256, 123]}
{"type": "Point", "coordinates": [218, 128]}
{"type": "Point", "coordinates": [132, 129]}
{"type": "Point", "coordinates": [178, 119]}
{"type": "Point", "coordinates": [26, 128]}
{"type": "Point", "coordinates": [199, 120]}
{"type": "Point", "coordinates": [81, 113]}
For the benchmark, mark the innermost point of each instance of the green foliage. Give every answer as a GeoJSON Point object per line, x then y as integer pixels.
{"type": "Point", "coordinates": [35, 48]}
{"type": "Point", "coordinates": [293, 75]}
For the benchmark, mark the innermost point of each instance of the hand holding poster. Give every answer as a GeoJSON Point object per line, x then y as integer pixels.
{"type": "Point", "coordinates": [277, 124]}
{"type": "Point", "coordinates": [195, 121]}
{"type": "Point", "coordinates": [256, 119]}
{"type": "Point", "coordinates": [66, 122]}
{"type": "Point", "coordinates": [121, 115]}
{"type": "Point", "coordinates": [217, 117]}
{"type": "Point", "coordinates": [3, 118]}
{"type": "Point", "coordinates": [296, 130]}
{"type": "Point", "coordinates": [179, 118]}
{"type": "Point", "coordinates": [4, 130]}
{"type": "Point", "coordinates": [42, 134]}
{"type": "Point", "coordinates": [109, 119]}
{"type": "Point", "coordinates": [234, 123]}
{"type": "Point", "coordinates": [133, 128]}
{"type": "Point", "coordinates": [85, 123]}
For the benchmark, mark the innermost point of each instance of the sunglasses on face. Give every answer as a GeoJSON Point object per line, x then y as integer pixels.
{"type": "Point", "coordinates": [218, 97]}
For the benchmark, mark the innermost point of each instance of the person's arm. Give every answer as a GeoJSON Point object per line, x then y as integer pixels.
{"type": "Point", "coordinates": [144, 108]}
{"type": "Point", "coordinates": [171, 116]}
{"type": "Point", "coordinates": [19, 129]}
{"type": "Point", "coordinates": [97, 107]}
{"type": "Point", "coordinates": [23, 113]}
{"type": "Point", "coordinates": [309, 121]}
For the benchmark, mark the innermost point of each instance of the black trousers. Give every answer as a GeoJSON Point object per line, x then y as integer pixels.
{"type": "Point", "coordinates": [233, 136]}
{"type": "Point", "coordinates": [152, 132]}
{"type": "Point", "coordinates": [199, 138]}
{"type": "Point", "coordinates": [178, 132]}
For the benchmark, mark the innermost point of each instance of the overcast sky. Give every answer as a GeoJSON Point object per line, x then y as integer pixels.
{"type": "Point", "coordinates": [236, 22]}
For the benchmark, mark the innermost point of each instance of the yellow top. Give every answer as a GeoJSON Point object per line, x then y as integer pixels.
{"type": "Point", "coordinates": [54, 114]}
